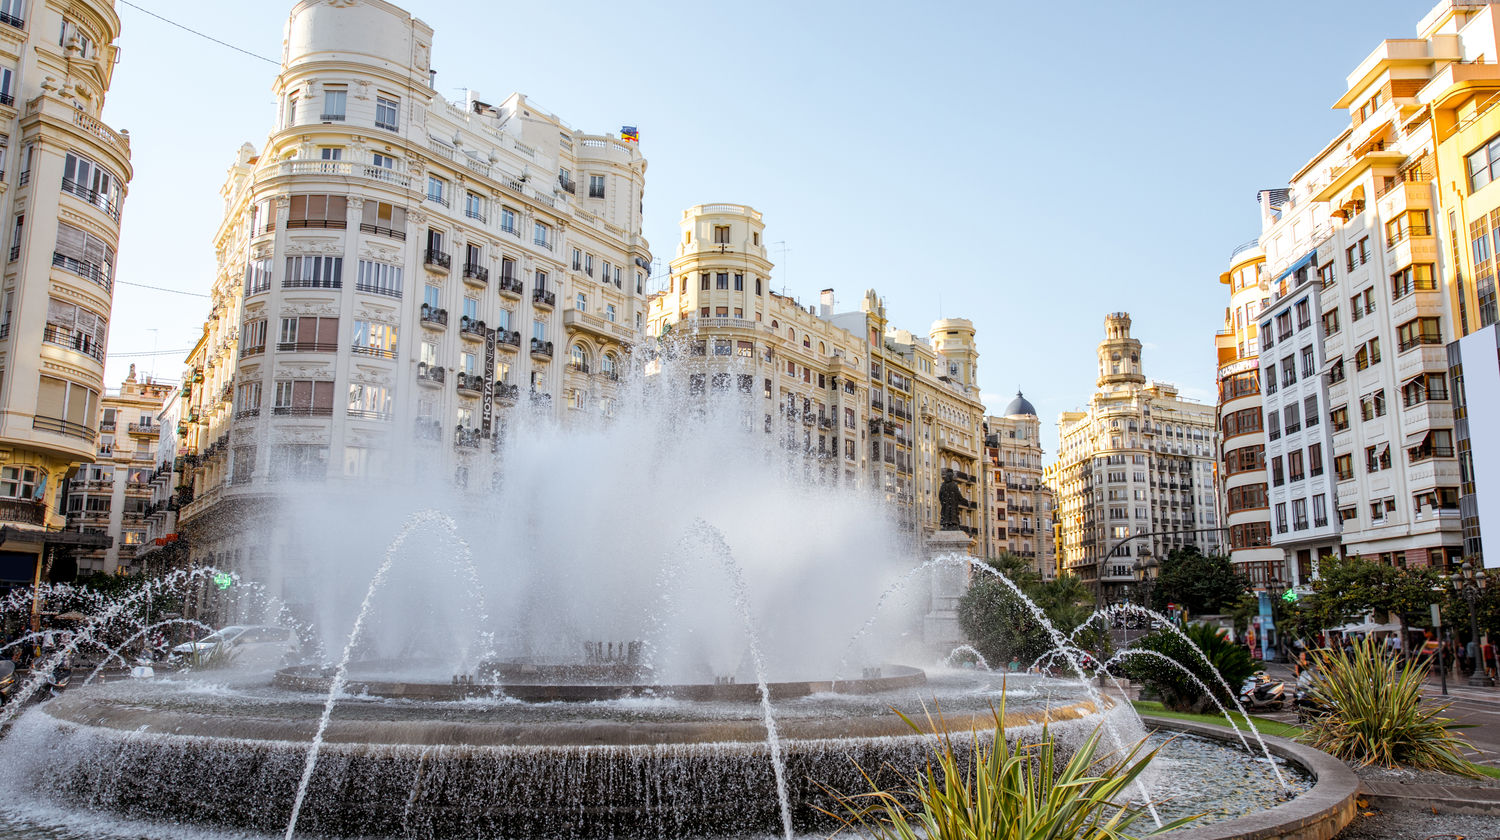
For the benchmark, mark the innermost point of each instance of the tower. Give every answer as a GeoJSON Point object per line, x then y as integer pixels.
{"type": "Point", "coordinates": [953, 339]}
{"type": "Point", "coordinates": [1119, 354]}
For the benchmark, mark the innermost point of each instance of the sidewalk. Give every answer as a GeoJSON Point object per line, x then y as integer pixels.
{"type": "Point", "coordinates": [1439, 799]}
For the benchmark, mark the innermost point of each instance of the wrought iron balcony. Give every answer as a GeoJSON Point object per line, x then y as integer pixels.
{"type": "Point", "coordinates": [542, 297]}
{"type": "Point", "coordinates": [476, 273]}
{"type": "Point", "coordinates": [436, 317]}
{"type": "Point", "coordinates": [434, 258]}
{"type": "Point", "coordinates": [510, 286]}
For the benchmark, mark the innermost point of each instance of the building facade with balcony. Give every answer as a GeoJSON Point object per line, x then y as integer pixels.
{"type": "Point", "coordinates": [1243, 485]}
{"type": "Point", "coordinates": [393, 266]}
{"type": "Point", "coordinates": [870, 405]}
{"type": "Point", "coordinates": [1017, 504]}
{"type": "Point", "coordinates": [1138, 462]}
{"type": "Point", "coordinates": [1361, 221]}
{"type": "Point", "coordinates": [112, 495]}
{"type": "Point", "coordinates": [64, 174]}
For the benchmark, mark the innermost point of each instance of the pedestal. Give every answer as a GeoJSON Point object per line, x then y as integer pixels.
{"type": "Point", "coordinates": [947, 584]}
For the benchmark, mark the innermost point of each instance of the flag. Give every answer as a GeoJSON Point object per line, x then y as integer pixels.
{"type": "Point", "coordinates": [629, 134]}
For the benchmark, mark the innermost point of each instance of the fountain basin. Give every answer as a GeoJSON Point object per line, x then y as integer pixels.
{"type": "Point", "coordinates": [477, 767]}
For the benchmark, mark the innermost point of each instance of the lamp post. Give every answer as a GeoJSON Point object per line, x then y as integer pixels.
{"type": "Point", "coordinates": [1145, 572]}
{"type": "Point", "coordinates": [1470, 584]}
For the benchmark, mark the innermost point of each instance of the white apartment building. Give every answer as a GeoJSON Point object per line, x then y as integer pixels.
{"type": "Point", "coordinates": [1017, 504]}
{"type": "Point", "coordinates": [394, 265]}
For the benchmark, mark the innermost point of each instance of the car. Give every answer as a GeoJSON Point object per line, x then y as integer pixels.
{"type": "Point", "coordinates": [254, 645]}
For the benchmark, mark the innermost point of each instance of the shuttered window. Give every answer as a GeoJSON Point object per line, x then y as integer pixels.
{"type": "Point", "coordinates": [84, 254]}
{"type": "Point", "coordinates": [318, 211]}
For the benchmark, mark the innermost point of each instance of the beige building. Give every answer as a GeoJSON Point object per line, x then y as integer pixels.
{"type": "Point", "coordinates": [873, 405]}
{"type": "Point", "coordinates": [1138, 462]}
{"type": "Point", "coordinates": [392, 265]}
{"type": "Point", "coordinates": [1017, 503]}
{"type": "Point", "coordinates": [64, 175]}
{"type": "Point", "coordinates": [112, 495]}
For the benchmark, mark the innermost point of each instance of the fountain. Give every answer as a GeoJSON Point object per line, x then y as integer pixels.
{"type": "Point", "coordinates": [661, 624]}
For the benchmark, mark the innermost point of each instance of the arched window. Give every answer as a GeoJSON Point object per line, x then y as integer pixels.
{"type": "Point", "coordinates": [791, 333]}
{"type": "Point", "coordinates": [578, 358]}
{"type": "Point", "coordinates": [822, 348]}
{"type": "Point", "coordinates": [607, 365]}
{"type": "Point", "coordinates": [775, 325]}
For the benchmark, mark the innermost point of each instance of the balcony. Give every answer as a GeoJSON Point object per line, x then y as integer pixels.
{"type": "Point", "coordinates": [75, 340]}
{"type": "Point", "coordinates": [307, 347]}
{"type": "Point", "coordinates": [391, 233]}
{"type": "Point", "coordinates": [302, 410]}
{"type": "Point", "coordinates": [347, 169]}
{"type": "Point", "coordinates": [507, 393]}
{"type": "Point", "coordinates": [433, 374]}
{"type": "Point", "coordinates": [510, 287]}
{"type": "Point", "coordinates": [471, 328]}
{"type": "Point", "coordinates": [541, 350]}
{"type": "Point", "coordinates": [567, 185]}
{"type": "Point", "coordinates": [476, 274]}
{"type": "Point", "coordinates": [542, 297]}
{"type": "Point", "coordinates": [377, 352]}
{"type": "Point", "coordinates": [437, 260]}
{"type": "Point", "coordinates": [507, 339]}
{"type": "Point", "coordinates": [467, 438]}
{"type": "Point", "coordinates": [1422, 357]}
{"type": "Point", "coordinates": [434, 317]}
{"type": "Point", "coordinates": [84, 269]}
{"type": "Point", "coordinates": [599, 326]}
{"type": "Point", "coordinates": [146, 429]}
{"type": "Point", "coordinates": [471, 384]}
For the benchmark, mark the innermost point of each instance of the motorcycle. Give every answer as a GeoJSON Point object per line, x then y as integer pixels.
{"type": "Point", "coordinates": [1261, 692]}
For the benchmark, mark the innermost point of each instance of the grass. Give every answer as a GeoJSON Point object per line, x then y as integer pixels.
{"type": "Point", "coordinates": [1265, 725]}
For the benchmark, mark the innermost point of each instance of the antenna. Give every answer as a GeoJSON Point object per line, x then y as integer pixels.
{"type": "Point", "coordinates": [782, 263]}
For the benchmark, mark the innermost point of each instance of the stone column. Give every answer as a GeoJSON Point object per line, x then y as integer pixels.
{"type": "Point", "coordinates": [947, 584]}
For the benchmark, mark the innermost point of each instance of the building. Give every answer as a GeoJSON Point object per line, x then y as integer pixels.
{"type": "Point", "coordinates": [161, 549]}
{"type": "Point", "coordinates": [112, 495]}
{"type": "Point", "coordinates": [873, 406]}
{"type": "Point", "coordinates": [1135, 472]}
{"type": "Point", "coordinates": [65, 185]}
{"type": "Point", "coordinates": [392, 265]}
{"type": "Point", "coordinates": [1017, 504]}
{"type": "Point", "coordinates": [1242, 475]}
{"type": "Point", "coordinates": [1298, 426]}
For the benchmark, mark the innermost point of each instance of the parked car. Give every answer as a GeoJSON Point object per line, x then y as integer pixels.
{"type": "Point", "coordinates": [255, 645]}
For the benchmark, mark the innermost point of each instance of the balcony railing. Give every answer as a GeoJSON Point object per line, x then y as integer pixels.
{"type": "Point", "coordinates": [542, 297]}
{"type": "Point", "coordinates": [92, 196]}
{"type": "Point", "coordinates": [541, 348]}
{"type": "Point", "coordinates": [12, 20]}
{"type": "Point", "coordinates": [382, 231]}
{"type": "Point", "coordinates": [1419, 340]}
{"type": "Point", "coordinates": [471, 327]}
{"type": "Point", "coordinates": [476, 272]}
{"type": "Point", "coordinates": [330, 118]}
{"type": "Point", "coordinates": [307, 347]}
{"type": "Point", "coordinates": [72, 339]}
{"type": "Point", "coordinates": [63, 427]}
{"type": "Point", "coordinates": [431, 373]}
{"type": "Point", "coordinates": [568, 185]}
{"type": "Point", "coordinates": [83, 269]}
{"type": "Point", "coordinates": [437, 259]}
{"type": "Point", "coordinates": [471, 382]}
{"type": "Point", "coordinates": [377, 352]}
{"type": "Point", "coordinates": [467, 438]}
{"type": "Point", "coordinates": [377, 289]}
{"type": "Point", "coordinates": [437, 317]}
{"type": "Point", "coordinates": [510, 338]}
{"type": "Point", "coordinates": [302, 411]}
{"type": "Point", "coordinates": [507, 392]}
{"type": "Point", "coordinates": [510, 286]}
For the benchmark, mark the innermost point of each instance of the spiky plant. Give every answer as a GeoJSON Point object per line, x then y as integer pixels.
{"type": "Point", "coordinates": [1000, 792]}
{"type": "Point", "coordinates": [1375, 713]}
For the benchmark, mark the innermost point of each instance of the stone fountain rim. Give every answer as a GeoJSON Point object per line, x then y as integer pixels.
{"type": "Point", "coordinates": [1319, 813]}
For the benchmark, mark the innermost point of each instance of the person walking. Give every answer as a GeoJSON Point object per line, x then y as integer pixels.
{"type": "Point", "coordinates": [1488, 650]}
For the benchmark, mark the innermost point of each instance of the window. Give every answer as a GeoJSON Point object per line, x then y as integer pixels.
{"type": "Point", "coordinates": [474, 206]}
{"type": "Point", "coordinates": [372, 402]}
{"type": "Point", "coordinates": [257, 276]}
{"type": "Point", "coordinates": [1357, 254]}
{"type": "Point", "coordinates": [596, 186]}
{"type": "Point", "coordinates": [372, 338]}
{"type": "Point", "coordinates": [1410, 223]}
{"type": "Point", "coordinates": [540, 281]}
{"type": "Point", "coordinates": [92, 183]}
{"type": "Point", "coordinates": [539, 330]}
{"type": "Point", "coordinates": [1278, 472]}
{"type": "Point", "coordinates": [387, 109]}
{"type": "Point", "coordinates": [1343, 466]}
{"type": "Point", "coordinates": [1294, 469]}
{"type": "Point", "coordinates": [1339, 418]}
{"type": "Point", "coordinates": [1288, 371]}
{"type": "Point", "coordinates": [303, 398]}
{"type": "Point", "coordinates": [1299, 514]}
{"type": "Point", "coordinates": [1330, 323]}
{"type": "Point", "coordinates": [541, 234]}
{"type": "Point", "coordinates": [318, 211]}
{"type": "Point", "coordinates": [581, 302]}
{"type": "Point", "coordinates": [1293, 418]}
{"type": "Point", "coordinates": [247, 399]}
{"type": "Point", "coordinates": [1368, 354]}
{"type": "Point", "coordinates": [1377, 458]}
{"type": "Point", "coordinates": [253, 337]}
{"type": "Point", "coordinates": [1419, 331]}
{"type": "Point", "coordinates": [1427, 386]}
{"type": "Point", "coordinates": [721, 280]}
{"type": "Point", "coordinates": [1310, 410]}
{"type": "Point", "coordinates": [1284, 326]}
{"type": "Point", "coordinates": [84, 254]}
{"type": "Point", "coordinates": [430, 296]}
{"type": "Point", "coordinates": [508, 221]}
{"type": "Point", "coordinates": [609, 312]}
{"type": "Point", "coordinates": [1273, 425]}
{"type": "Point", "coordinates": [1336, 371]}
{"type": "Point", "coordinates": [66, 408]}
{"type": "Point", "coordinates": [333, 103]}
{"type": "Point", "coordinates": [721, 234]}
{"type": "Point", "coordinates": [739, 282]}
{"type": "Point", "coordinates": [437, 190]}
{"type": "Point", "coordinates": [75, 327]}
{"type": "Point", "coordinates": [1413, 278]}
{"type": "Point", "coordinates": [1281, 517]}
{"type": "Point", "coordinates": [73, 35]}
{"type": "Point", "coordinates": [578, 261]}
{"type": "Point", "coordinates": [1372, 405]}
{"type": "Point", "coordinates": [308, 272]}
{"type": "Point", "coordinates": [1326, 275]}
{"type": "Point", "coordinates": [1315, 459]}
{"type": "Point", "coordinates": [1304, 315]}
{"type": "Point", "coordinates": [18, 483]}
{"type": "Point", "coordinates": [471, 309]}
{"type": "Point", "coordinates": [1320, 511]}
{"type": "Point", "coordinates": [1483, 164]}
{"type": "Point", "coordinates": [383, 219]}
{"type": "Point", "coordinates": [1362, 304]}
{"type": "Point", "coordinates": [309, 334]}
{"type": "Point", "coordinates": [1309, 366]}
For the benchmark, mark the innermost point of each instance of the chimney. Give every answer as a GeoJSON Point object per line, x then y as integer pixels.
{"type": "Point", "coordinates": [825, 303]}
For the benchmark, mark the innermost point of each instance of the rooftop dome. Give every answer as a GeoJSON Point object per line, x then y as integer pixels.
{"type": "Point", "coordinates": [1020, 405]}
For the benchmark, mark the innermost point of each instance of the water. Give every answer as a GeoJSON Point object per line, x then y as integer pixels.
{"type": "Point", "coordinates": [967, 650]}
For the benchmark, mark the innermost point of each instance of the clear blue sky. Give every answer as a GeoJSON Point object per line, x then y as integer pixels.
{"type": "Point", "coordinates": [1029, 166]}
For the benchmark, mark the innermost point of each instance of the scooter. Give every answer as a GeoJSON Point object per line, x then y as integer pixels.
{"type": "Point", "coordinates": [58, 680]}
{"type": "Point", "coordinates": [1261, 692]}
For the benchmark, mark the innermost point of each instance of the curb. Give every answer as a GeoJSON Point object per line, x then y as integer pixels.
{"type": "Point", "coordinates": [1441, 799]}
{"type": "Point", "coordinates": [1319, 814]}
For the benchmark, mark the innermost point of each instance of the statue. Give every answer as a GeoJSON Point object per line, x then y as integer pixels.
{"type": "Point", "coordinates": [949, 499]}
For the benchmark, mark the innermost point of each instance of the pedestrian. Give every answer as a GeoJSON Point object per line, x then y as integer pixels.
{"type": "Point", "coordinates": [1488, 650]}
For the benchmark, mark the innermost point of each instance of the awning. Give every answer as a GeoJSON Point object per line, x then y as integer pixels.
{"type": "Point", "coordinates": [1332, 363]}
{"type": "Point", "coordinates": [1307, 259]}
{"type": "Point", "coordinates": [1417, 438]}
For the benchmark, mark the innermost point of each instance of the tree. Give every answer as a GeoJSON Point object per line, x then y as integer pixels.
{"type": "Point", "coordinates": [1201, 583]}
{"type": "Point", "coordinates": [1178, 691]}
{"type": "Point", "coordinates": [1348, 587]}
{"type": "Point", "coordinates": [1001, 627]}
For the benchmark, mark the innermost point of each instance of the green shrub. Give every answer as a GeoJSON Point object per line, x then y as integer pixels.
{"type": "Point", "coordinates": [1177, 691]}
{"type": "Point", "coordinates": [1375, 714]}
{"type": "Point", "coordinates": [1000, 792]}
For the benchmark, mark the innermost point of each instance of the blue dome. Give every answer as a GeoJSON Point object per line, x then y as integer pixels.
{"type": "Point", "coordinates": [1020, 405]}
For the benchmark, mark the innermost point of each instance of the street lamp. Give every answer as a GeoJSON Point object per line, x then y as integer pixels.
{"type": "Point", "coordinates": [1470, 584]}
{"type": "Point", "coordinates": [1145, 570]}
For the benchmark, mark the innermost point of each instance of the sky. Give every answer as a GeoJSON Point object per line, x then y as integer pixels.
{"type": "Point", "coordinates": [1029, 166]}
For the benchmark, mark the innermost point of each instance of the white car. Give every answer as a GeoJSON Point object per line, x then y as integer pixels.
{"type": "Point", "coordinates": [256, 645]}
